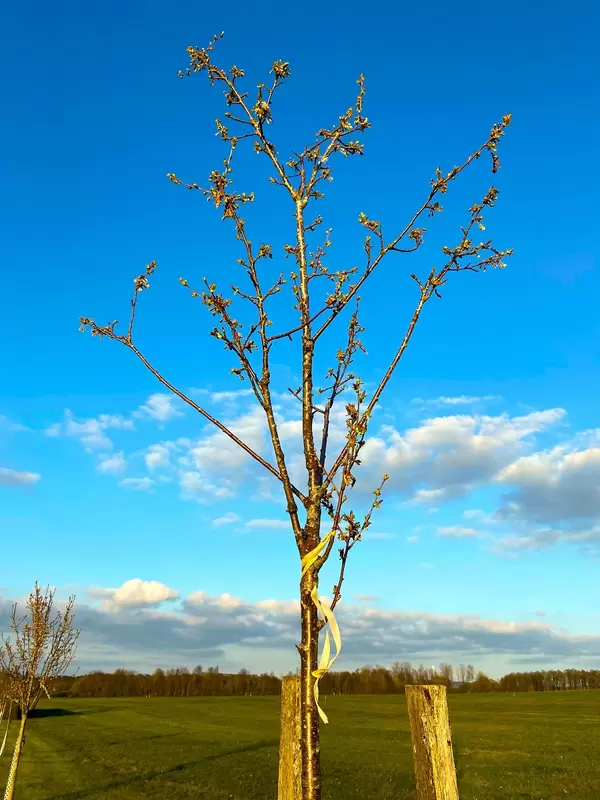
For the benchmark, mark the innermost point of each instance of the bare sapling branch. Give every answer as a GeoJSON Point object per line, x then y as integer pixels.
{"type": "Point", "coordinates": [328, 482]}
{"type": "Point", "coordinates": [41, 649]}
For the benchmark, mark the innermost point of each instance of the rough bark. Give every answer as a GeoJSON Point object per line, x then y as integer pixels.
{"type": "Point", "coordinates": [309, 650]}
{"type": "Point", "coordinates": [290, 752]}
{"type": "Point", "coordinates": [432, 743]}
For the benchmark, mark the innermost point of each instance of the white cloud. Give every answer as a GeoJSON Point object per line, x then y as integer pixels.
{"type": "Point", "coordinates": [268, 490]}
{"type": "Point", "coordinates": [112, 464]}
{"type": "Point", "coordinates": [555, 498]}
{"type": "Point", "coordinates": [227, 519]}
{"type": "Point", "coordinates": [161, 407]}
{"type": "Point", "coordinates": [458, 532]}
{"type": "Point", "coordinates": [436, 461]}
{"type": "Point", "coordinates": [132, 630]}
{"type": "Point", "coordinates": [227, 600]}
{"type": "Point", "coordinates": [412, 539]}
{"type": "Point", "coordinates": [474, 513]}
{"type": "Point", "coordinates": [555, 486]}
{"type": "Point", "coordinates": [514, 544]}
{"type": "Point", "coordinates": [222, 601]}
{"type": "Point", "coordinates": [90, 432]}
{"type": "Point", "coordinates": [460, 400]}
{"type": "Point", "coordinates": [53, 430]}
{"type": "Point", "coordinates": [425, 496]}
{"type": "Point", "coordinates": [286, 608]}
{"type": "Point", "coordinates": [215, 454]}
{"type": "Point", "coordinates": [134, 593]}
{"type": "Point", "coordinates": [194, 486]}
{"type": "Point", "coordinates": [220, 397]}
{"type": "Point", "coordinates": [214, 466]}
{"type": "Point", "coordinates": [137, 484]}
{"type": "Point", "coordinates": [230, 397]}
{"type": "Point", "coordinates": [11, 477]}
{"type": "Point", "coordinates": [291, 429]}
{"type": "Point", "coordinates": [9, 426]}
{"type": "Point", "coordinates": [157, 456]}
{"type": "Point", "coordinates": [268, 524]}
{"type": "Point", "coordinates": [446, 457]}
{"type": "Point", "coordinates": [440, 459]}
{"type": "Point", "coordinates": [218, 452]}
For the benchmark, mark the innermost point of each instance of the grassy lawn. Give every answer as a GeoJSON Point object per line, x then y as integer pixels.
{"type": "Point", "coordinates": [535, 746]}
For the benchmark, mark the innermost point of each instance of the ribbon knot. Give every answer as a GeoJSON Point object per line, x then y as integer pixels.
{"type": "Point", "coordinates": [326, 660]}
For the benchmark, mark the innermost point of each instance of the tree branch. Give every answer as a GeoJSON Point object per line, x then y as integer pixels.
{"type": "Point", "coordinates": [465, 249]}
{"type": "Point", "coordinates": [439, 186]}
{"type": "Point", "coordinates": [108, 331]}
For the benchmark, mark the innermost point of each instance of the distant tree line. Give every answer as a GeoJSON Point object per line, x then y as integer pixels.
{"type": "Point", "coordinates": [553, 680]}
{"type": "Point", "coordinates": [179, 682]}
{"type": "Point", "coordinates": [199, 682]}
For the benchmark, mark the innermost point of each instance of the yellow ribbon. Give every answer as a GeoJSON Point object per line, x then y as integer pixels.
{"type": "Point", "coordinates": [325, 661]}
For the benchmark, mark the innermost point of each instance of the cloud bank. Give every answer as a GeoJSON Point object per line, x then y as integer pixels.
{"type": "Point", "coordinates": [131, 626]}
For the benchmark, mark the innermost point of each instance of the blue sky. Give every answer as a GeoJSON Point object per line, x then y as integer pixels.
{"type": "Point", "coordinates": [96, 119]}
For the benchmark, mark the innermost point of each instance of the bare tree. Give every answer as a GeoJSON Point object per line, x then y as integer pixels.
{"type": "Point", "coordinates": [42, 648]}
{"type": "Point", "coordinates": [447, 673]}
{"type": "Point", "coordinates": [301, 178]}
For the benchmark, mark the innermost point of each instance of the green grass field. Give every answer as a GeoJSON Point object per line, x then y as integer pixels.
{"type": "Point", "coordinates": [534, 746]}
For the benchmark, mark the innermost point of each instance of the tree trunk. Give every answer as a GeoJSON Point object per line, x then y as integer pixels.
{"type": "Point", "coordinates": [8, 721]}
{"type": "Point", "coordinates": [12, 776]}
{"type": "Point", "coordinates": [309, 653]}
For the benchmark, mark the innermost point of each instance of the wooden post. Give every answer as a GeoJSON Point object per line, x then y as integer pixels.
{"type": "Point", "coordinates": [290, 755]}
{"type": "Point", "coordinates": [432, 743]}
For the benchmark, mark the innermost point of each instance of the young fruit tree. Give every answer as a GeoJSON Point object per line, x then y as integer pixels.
{"type": "Point", "coordinates": [327, 479]}
{"type": "Point", "coordinates": [41, 649]}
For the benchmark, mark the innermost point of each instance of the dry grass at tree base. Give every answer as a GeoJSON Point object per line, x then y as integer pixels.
{"type": "Point", "coordinates": [525, 747]}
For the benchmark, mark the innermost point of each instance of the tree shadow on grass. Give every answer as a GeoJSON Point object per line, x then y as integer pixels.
{"type": "Point", "coordinates": [39, 713]}
{"type": "Point", "coordinates": [249, 748]}
{"type": "Point", "coordinates": [68, 712]}
{"type": "Point", "coordinates": [149, 776]}
{"type": "Point", "coordinates": [144, 738]}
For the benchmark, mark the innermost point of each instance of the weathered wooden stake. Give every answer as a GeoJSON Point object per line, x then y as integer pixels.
{"type": "Point", "coordinates": [432, 743]}
{"type": "Point", "coordinates": [290, 755]}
